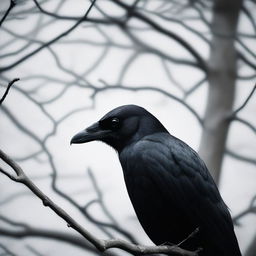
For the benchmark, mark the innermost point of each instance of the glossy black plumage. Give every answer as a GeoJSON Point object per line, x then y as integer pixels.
{"type": "Point", "coordinates": [169, 185]}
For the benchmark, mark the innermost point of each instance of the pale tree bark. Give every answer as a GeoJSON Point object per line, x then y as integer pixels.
{"type": "Point", "coordinates": [222, 75]}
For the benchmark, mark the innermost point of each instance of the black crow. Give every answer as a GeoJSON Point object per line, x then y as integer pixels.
{"type": "Point", "coordinates": [170, 187]}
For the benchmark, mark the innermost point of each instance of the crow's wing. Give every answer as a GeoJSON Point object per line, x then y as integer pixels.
{"type": "Point", "coordinates": [173, 193]}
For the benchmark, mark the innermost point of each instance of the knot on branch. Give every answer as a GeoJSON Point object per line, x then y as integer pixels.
{"type": "Point", "coordinates": [46, 201]}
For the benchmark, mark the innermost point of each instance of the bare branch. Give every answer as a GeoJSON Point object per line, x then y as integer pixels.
{"type": "Point", "coordinates": [171, 78]}
{"type": "Point", "coordinates": [14, 223]}
{"type": "Point", "coordinates": [63, 17]}
{"type": "Point", "coordinates": [6, 250]}
{"type": "Point", "coordinates": [245, 102]}
{"type": "Point", "coordinates": [34, 251]}
{"type": "Point", "coordinates": [246, 48]}
{"type": "Point", "coordinates": [47, 44]}
{"type": "Point", "coordinates": [100, 196]}
{"type": "Point", "coordinates": [157, 27]}
{"type": "Point", "coordinates": [7, 89]}
{"type": "Point", "coordinates": [250, 17]}
{"type": "Point", "coordinates": [115, 226]}
{"type": "Point", "coordinates": [194, 87]}
{"type": "Point", "coordinates": [12, 4]}
{"type": "Point", "coordinates": [101, 245]}
{"type": "Point", "coordinates": [250, 209]}
{"type": "Point", "coordinates": [193, 234]}
{"type": "Point", "coordinates": [237, 156]}
{"type": "Point", "coordinates": [246, 123]}
{"type": "Point", "coordinates": [49, 234]}
{"type": "Point", "coordinates": [147, 88]}
{"type": "Point", "coordinates": [183, 24]}
{"type": "Point", "coordinates": [10, 176]}
{"type": "Point", "coordinates": [246, 60]}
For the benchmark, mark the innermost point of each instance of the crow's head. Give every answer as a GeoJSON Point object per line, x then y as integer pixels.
{"type": "Point", "coordinates": [121, 127]}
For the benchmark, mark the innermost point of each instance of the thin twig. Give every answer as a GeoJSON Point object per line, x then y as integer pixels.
{"type": "Point", "coordinates": [51, 234]}
{"type": "Point", "coordinates": [7, 89]}
{"type": "Point", "coordinates": [157, 27]}
{"type": "Point", "coordinates": [100, 197]}
{"type": "Point", "coordinates": [12, 4]}
{"type": "Point", "coordinates": [8, 252]}
{"type": "Point", "coordinates": [189, 237]}
{"type": "Point", "coordinates": [245, 102]}
{"type": "Point", "coordinates": [250, 209]}
{"type": "Point", "coordinates": [52, 41]}
{"type": "Point", "coordinates": [239, 157]}
{"type": "Point", "coordinates": [246, 123]}
{"type": "Point", "coordinates": [33, 250]}
{"type": "Point", "coordinates": [114, 224]}
{"type": "Point", "coordinates": [146, 88]}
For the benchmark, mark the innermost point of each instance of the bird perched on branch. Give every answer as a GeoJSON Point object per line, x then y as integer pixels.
{"type": "Point", "coordinates": [171, 190]}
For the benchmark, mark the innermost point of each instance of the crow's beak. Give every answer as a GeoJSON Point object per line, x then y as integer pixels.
{"type": "Point", "coordinates": [93, 132]}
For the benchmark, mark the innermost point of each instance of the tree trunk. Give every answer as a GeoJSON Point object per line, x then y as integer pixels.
{"type": "Point", "coordinates": [221, 75]}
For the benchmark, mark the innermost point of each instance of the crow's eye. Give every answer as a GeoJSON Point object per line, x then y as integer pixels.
{"type": "Point", "coordinates": [115, 123]}
{"type": "Point", "coordinates": [110, 123]}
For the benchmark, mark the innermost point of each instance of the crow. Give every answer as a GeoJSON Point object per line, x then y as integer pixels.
{"type": "Point", "coordinates": [170, 187]}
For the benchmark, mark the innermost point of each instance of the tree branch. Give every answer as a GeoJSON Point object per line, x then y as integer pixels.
{"type": "Point", "coordinates": [147, 88]}
{"type": "Point", "coordinates": [240, 157]}
{"type": "Point", "coordinates": [246, 123]}
{"type": "Point", "coordinates": [157, 27]}
{"type": "Point", "coordinates": [34, 251]}
{"type": "Point", "coordinates": [250, 209]}
{"type": "Point", "coordinates": [7, 89]}
{"type": "Point", "coordinates": [100, 244]}
{"type": "Point", "coordinates": [7, 251]}
{"type": "Point", "coordinates": [2, 69]}
{"type": "Point", "coordinates": [48, 234]}
{"type": "Point", "coordinates": [12, 4]}
{"type": "Point", "coordinates": [245, 102]}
